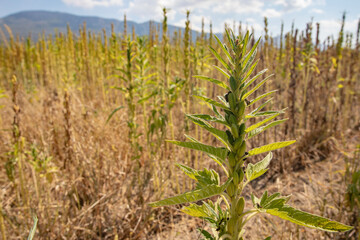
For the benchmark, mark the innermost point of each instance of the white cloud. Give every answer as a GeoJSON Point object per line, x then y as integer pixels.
{"type": "Point", "coordinates": [271, 13]}
{"type": "Point", "coordinates": [332, 27]}
{"type": "Point", "coordinates": [93, 3]}
{"type": "Point", "coordinates": [242, 6]}
{"type": "Point", "coordinates": [141, 10]}
{"type": "Point", "coordinates": [144, 10]}
{"type": "Point", "coordinates": [258, 28]}
{"type": "Point", "coordinates": [293, 5]}
{"type": "Point", "coordinates": [248, 24]}
{"type": "Point", "coordinates": [187, 4]}
{"type": "Point", "coordinates": [224, 6]}
{"type": "Point", "coordinates": [317, 11]}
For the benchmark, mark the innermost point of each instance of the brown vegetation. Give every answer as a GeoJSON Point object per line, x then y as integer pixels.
{"type": "Point", "coordinates": [86, 178]}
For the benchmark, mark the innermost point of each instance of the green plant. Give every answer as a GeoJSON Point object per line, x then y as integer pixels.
{"type": "Point", "coordinates": [131, 96]}
{"type": "Point", "coordinates": [352, 179]}
{"type": "Point", "coordinates": [227, 215]}
{"type": "Point", "coordinates": [33, 229]}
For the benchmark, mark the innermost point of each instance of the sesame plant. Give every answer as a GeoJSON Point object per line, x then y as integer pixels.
{"type": "Point", "coordinates": [227, 215]}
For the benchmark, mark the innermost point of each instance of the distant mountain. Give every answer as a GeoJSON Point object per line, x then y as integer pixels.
{"type": "Point", "coordinates": [37, 22]}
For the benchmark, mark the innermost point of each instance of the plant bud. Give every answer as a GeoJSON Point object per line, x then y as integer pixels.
{"type": "Point", "coordinates": [241, 151]}
{"type": "Point", "coordinates": [230, 137]}
{"type": "Point", "coordinates": [231, 159]}
{"type": "Point", "coordinates": [227, 118]}
{"type": "Point", "coordinates": [240, 206]}
{"type": "Point", "coordinates": [231, 189]}
{"type": "Point", "coordinates": [241, 109]}
{"type": "Point", "coordinates": [241, 175]}
{"type": "Point", "coordinates": [233, 84]}
{"type": "Point", "coordinates": [236, 178]}
{"type": "Point", "coordinates": [231, 225]}
{"type": "Point", "coordinates": [232, 101]}
{"type": "Point", "coordinates": [232, 119]}
{"type": "Point", "coordinates": [242, 129]}
{"type": "Point", "coordinates": [237, 144]}
{"type": "Point", "coordinates": [235, 130]}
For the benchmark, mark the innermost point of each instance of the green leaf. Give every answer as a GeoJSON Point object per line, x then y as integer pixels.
{"type": "Point", "coordinates": [222, 71]}
{"type": "Point", "coordinates": [216, 159]}
{"type": "Point", "coordinates": [212, 102]}
{"type": "Point", "coordinates": [33, 229]}
{"type": "Point", "coordinates": [255, 171]}
{"type": "Point", "coordinates": [213, 80]}
{"type": "Point", "coordinates": [196, 210]}
{"type": "Point", "coordinates": [120, 88]}
{"type": "Point", "coordinates": [144, 99]}
{"type": "Point", "coordinates": [191, 138]}
{"type": "Point", "coordinates": [254, 78]}
{"type": "Point", "coordinates": [220, 153]}
{"type": "Point", "coordinates": [261, 97]}
{"type": "Point", "coordinates": [209, 118]}
{"type": "Point", "coordinates": [265, 113]}
{"type": "Point", "coordinates": [193, 196]}
{"type": "Point", "coordinates": [270, 147]}
{"type": "Point", "coordinates": [250, 65]}
{"type": "Point", "coordinates": [260, 107]}
{"type": "Point", "coordinates": [222, 99]}
{"type": "Point", "coordinates": [220, 59]}
{"type": "Point", "coordinates": [231, 41]}
{"type": "Point", "coordinates": [206, 234]}
{"type": "Point", "coordinates": [221, 135]}
{"type": "Point", "coordinates": [207, 177]}
{"type": "Point", "coordinates": [205, 117]}
{"type": "Point", "coordinates": [203, 177]}
{"type": "Point", "coordinates": [214, 109]}
{"type": "Point", "coordinates": [256, 125]}
{"type": "Point", "coordinates": [276, 206]}
{"type": "Point", "coordinates": [256, 87]}
{"type": "Point", "coordinates": [112, 113]}
{"type": "Point", "coordinates": [245, 42]}
{"type": "Point", "coordinates": [252, 52]}
{"type": "Point", "coordinates": [187, 170]}
{"type": "Point", "coordinates": [252, 68]}
{"type": "Point", "coordinates": [224, 49]}
{"type": "Point", "coordinates": [261, 129]}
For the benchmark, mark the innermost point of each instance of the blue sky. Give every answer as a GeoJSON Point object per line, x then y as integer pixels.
{"type": "Point", "coordinates": [249, 12]}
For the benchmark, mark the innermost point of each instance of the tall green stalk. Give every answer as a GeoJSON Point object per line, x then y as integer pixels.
{"type": "Point", "coordinates": [227, 216]}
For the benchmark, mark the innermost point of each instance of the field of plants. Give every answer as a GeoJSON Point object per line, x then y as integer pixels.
{"type": "Point", "coordinates": [84, 117]}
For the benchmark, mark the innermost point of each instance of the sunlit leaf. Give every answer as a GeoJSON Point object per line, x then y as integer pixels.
{"type": "Point", "coordinates": [215, 81]}
{"type": "Point", "coordinates": [256, 170]}
{"type": "Point", "coordinates": [222, 71]}
{"type": "Point", "coordinates": [261, 129]}
{"type": "Point", "coordinates": [224, 49]}
{"type": "Point", "coordinates": [256, 87]}
{"type": "Point", "coordinates": [212, 102]}
{"type": "Point", "coordinates": [221, 153]}
{"type": "Point", "coordinates": [276, 205]}
{"type": "Point", "coordinates": [221, 135]}
{"type": "Point", "coordinates": [261, 97]}
{"type": "Point", "coordinates": [270, 147]}
{"type": "Point", "coordinates": [113, 112]}
{"type": "Point", "coordinates": [193, 196]}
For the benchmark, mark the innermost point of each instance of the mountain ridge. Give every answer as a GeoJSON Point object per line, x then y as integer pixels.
{"type": "Point", "coordinates": [38, 21]}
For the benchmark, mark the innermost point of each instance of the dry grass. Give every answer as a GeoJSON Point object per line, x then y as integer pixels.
{"type": "Point", "coordinates": [65, 98]}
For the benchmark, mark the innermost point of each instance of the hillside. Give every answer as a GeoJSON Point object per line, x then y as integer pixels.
{"type": "Point", "coordinates": [37, 22]}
